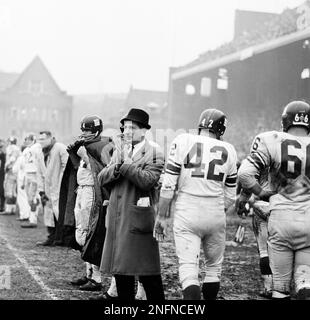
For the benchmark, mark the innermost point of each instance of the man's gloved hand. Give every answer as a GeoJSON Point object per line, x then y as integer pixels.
{"type": "Point", "coordinates": [75, 145]}
{"type": "Point", "coordinates": [43, 197]}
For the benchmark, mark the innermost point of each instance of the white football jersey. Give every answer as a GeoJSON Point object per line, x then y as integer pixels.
{"type": "Point", "coordinates": [32, 158]}
{"type": "Point", "coordinates": [201, 166]}
{"type": "Point", "coordinates": [288, 159]}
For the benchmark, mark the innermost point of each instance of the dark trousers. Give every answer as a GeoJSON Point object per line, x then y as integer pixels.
{"type": "Point", "coordinates": [51, 231]}
{"type": "Point", "coordinates": [2, 201]}
{"type": "Point", "coordinates": [152, 285]}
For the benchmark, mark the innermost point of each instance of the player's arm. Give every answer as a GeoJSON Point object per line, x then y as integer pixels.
{"type": "Point", "coordinates": [253, 166]}
{"type": "Point", "coordinates": [169, 185]}
{"type": "Point", "coordinates": [230, 185]}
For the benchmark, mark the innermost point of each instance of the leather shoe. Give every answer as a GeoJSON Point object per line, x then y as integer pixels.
{"type": "Point", "coordinates": [91, 285]}
{"type": "Point", "coordinates": [22, 219]}
{"type": "Point", "coordinates": [58, 243]}
{"type": "Point", "coordinates": [103, 296]}
{"type": "Point", "coordinates": [46, 243]}
{"type": "Point", "coordinates": [6, 213]}
{"type": "Point", "coordinates": [79, 281]}
{"type": "Point", "coordinates": [29, 225]}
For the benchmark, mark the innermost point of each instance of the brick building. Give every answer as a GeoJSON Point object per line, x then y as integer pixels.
{"type": "Point", "coordinates": [32, 101]}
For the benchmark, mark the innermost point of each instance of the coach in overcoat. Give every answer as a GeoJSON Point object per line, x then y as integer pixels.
{"type": "Point", "coordinates": [129, 248]}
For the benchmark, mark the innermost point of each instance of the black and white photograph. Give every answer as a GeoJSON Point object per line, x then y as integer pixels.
{"type": "Point", "coordinates": [156, 151]}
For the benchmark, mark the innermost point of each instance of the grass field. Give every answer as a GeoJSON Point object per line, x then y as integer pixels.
{"type": "Point", "coordinates": [43, 273]}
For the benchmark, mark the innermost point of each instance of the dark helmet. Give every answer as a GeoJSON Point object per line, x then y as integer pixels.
{"type": "Point", "coordinates": [92, 123]}
{"type": "Point", "coordinates": [296, 113]}
{"type": "Point", "coordinates": [29, 139]}
{"type": "Point", "coordinates": [213, 120]}
{"type": "Point", "coordinates": [12, 140]}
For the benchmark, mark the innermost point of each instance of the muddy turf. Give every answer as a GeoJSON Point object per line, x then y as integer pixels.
{"type": "Point", "coordinates": [43, 273]}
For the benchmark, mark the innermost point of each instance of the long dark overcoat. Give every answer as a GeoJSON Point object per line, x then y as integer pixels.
{"type": "Point", "coordinates": [129, 247]}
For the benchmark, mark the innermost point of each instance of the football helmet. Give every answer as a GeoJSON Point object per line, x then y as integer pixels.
{"type": "Point", "coordinates": [296, 113]}
{"type": "Point", "coordinates": [12, 140]}
{"type": "Point", "coordinates": [29, 139]}
{"type": "Point", "coordinates": [92, 123]}
{"type": "Point", "coordinates": [213, 120]}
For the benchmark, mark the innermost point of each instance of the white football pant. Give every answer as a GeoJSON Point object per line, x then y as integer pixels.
{"type": "Point", "coordinates": [289, 249]}
{"type": "Point", "coordinates": [83, 204]}
{"type": "Point", "coordinates": [197, 221]}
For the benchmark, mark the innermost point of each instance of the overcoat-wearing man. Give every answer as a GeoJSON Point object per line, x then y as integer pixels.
{"type": "Point", "coordinates": [55, 160]}
{"type": "Point", "coordinates": [132, 175]}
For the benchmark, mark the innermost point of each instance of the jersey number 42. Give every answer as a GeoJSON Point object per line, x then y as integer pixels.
{"type": "Point", "coordinates": [198, 166]}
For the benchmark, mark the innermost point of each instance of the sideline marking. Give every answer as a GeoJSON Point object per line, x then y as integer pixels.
{"type": "Point", "coordinates": [31, 270]}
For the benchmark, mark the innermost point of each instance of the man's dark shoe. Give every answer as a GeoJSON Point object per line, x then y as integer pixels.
{"type": "Point", "coordinates": [46, 243]}
{"type": "Point", "coordinates": [22, 219]}
{"type": "Point", "coordinates": [79, 281]}
{"type": "Point", "coordinates": [103, 296]}
{"type": "Point", "coordinates": [6, 213]}
{"type": "Point", "coordinates": [58, 243]}
{"type": "Point", "coordinates": [29, 225]}
{"type": "Point", "coordinates": [91, 285]}
{"type": "Point", "coordinates": [266, 294]}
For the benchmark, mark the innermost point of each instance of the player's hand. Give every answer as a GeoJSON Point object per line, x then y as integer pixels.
{"type": "Point", "coordinates": [265, 195]}
{"type": "Point", "coordinates": [160, 228]}
{"type": "Point", "coordinates": [242, 206]}
{"type": "Point", "coordinates": [75, 144]}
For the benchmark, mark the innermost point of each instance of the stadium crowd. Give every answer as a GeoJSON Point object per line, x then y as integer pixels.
{"type": "Point", "coordinates": [110, 198]}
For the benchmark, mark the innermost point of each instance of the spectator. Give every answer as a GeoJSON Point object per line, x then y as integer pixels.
{"type": "Point", "coordinates": [10, 182]}
{"type": "Point", "coordinates": [55, 160]}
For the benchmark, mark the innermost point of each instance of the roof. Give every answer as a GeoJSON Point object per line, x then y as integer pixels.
{"type": "Point", "coordinates": [146, 98]}
{"type": "Point", "coordinates": [7, 80]}
{"type": "Point", "coordinates": [38, 67]}
{"type": "Point", "coordinates": [242, 54]}
{"type": "Point", "coordinates": [265, 35]}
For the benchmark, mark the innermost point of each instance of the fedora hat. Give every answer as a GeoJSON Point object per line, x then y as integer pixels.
{"type": "Point", "coordinates": [139, 116]}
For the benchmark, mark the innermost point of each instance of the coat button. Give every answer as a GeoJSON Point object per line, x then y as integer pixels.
{"type": "Point", "coordinates": [119, 196]}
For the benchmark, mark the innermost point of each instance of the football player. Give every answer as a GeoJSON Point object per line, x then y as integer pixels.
{"type": "Point", "coordinates": [259, 222]}
{"type": "Point", "coordinates": [287, 157]}
{"type": "Point", "coordinates": [204, 171]}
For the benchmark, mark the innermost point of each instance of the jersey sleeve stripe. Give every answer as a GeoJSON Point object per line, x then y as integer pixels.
{"type": "Point", "coordinates": [260, 158]}
{"type": "Point", "coordinates": [234, 175]}
{"type": "Point", "coordinates": [171, 172]}
{"type": "Point", "coordinates": [230, 185]}
{"type": "Point", "coordinates": [173, 168]}
{"type": "Point", "coordinates": [174, 163]}
{"type": "Point", "coordinates": [231, 180]}
{"type": "Point", "coordinates": [257, 166]}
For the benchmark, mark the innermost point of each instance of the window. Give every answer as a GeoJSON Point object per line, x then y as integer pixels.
{"type": "Point", "coordinates": [190, 89]}
{"type": "Point", "coordinates": [55, 115]}
{"type": "Point", "coordinates": [36, 87]}
{"type": "Point", "coordinates": [205, 87]}
{"type": "Point", "coordinates": [13, 113]}
{"type": "Point", "coordinates": [222, 81]}
{"type": "Point", "coordinates": [305, 73]}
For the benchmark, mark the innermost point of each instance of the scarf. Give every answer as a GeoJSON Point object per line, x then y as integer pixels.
{"type": "Point", "coordinates": [89, 137]}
